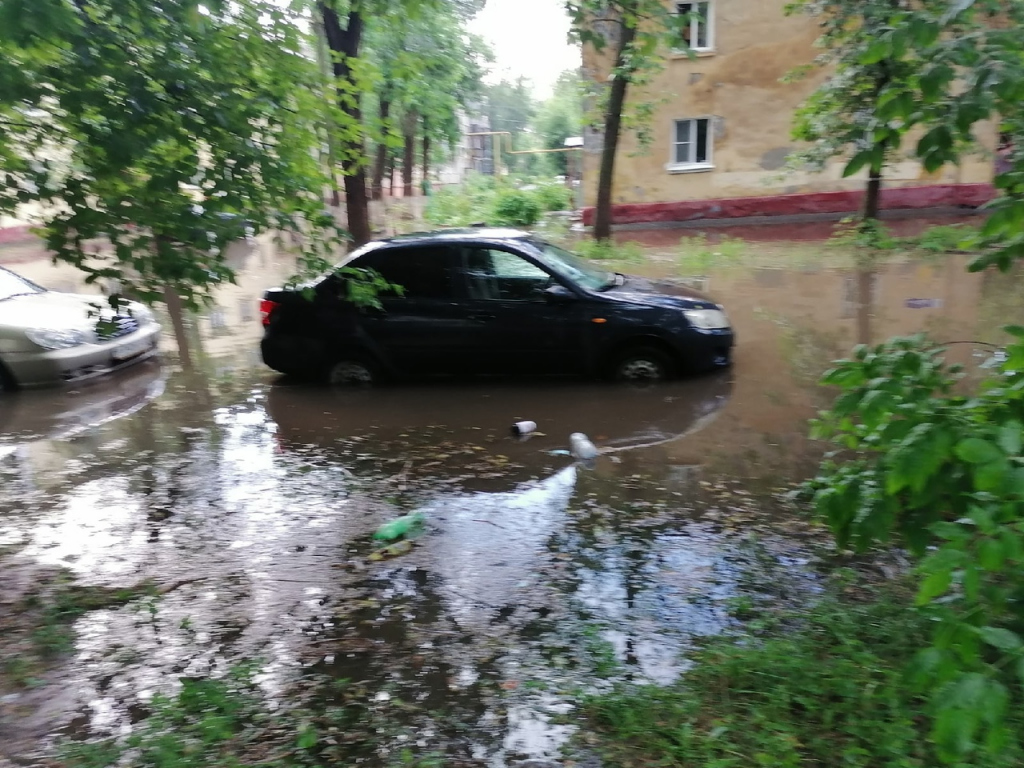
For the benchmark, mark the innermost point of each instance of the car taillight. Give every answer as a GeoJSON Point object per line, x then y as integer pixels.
{"type": "Point", "coordinates": [266, 307]}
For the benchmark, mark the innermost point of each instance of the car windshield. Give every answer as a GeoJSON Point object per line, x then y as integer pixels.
{"type": "Point", "coordinates": [572, 267]}
{"type": "Point", "coordinates": [11, 285]}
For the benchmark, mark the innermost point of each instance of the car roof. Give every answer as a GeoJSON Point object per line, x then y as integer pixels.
{"type": "Point", "coordinates": [469, 234]}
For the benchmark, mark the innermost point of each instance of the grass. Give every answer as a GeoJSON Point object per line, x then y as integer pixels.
{"type": "Point", "coordinates": [208, 723]}
{"type": "Point", "coordinates": [700, 255]}
{"type": "Point", "coordinates": [826, 687]}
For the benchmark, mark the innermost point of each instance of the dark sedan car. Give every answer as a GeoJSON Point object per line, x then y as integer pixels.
{"type": "Point", "coordinates": [487, 301]}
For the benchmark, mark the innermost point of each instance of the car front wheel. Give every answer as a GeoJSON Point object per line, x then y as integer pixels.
{"type": "Point", "coordinates": [642, 365]}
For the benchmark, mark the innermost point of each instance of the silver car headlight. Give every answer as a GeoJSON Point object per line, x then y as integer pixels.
{"type": "Point", "coordinates": [52, 338]}
{"type": "Point", "coordinates": [707, 319]}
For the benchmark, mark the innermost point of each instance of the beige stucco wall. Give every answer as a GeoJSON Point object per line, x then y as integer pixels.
{"type": "Point", "coordinates": [739, 84]}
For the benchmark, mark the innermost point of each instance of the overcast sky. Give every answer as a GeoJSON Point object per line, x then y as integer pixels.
{"type": "Point", "coordinates": [529, 38]}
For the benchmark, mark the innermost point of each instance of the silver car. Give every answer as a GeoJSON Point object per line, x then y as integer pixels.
{"type": "Point", "coordinates": [49, 338]}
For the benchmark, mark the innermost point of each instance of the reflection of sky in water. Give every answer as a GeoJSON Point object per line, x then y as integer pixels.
{"type": "Point", "coordinates": [490, 542]}
{"type": "Point", "coordinates": [96, 533]}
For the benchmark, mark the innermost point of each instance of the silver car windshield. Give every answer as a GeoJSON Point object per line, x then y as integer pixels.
{"type": "Point", "coordinates": [11, 285]}
{"type": "Point", "coordinates": [574, 268]}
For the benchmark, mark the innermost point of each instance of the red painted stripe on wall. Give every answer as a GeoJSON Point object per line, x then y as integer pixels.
{"type": "Point", "coordinates": [897, 198]}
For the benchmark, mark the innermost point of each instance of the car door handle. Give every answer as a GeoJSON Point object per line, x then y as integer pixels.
{"type": "Point", "coordinates": [483, 318]}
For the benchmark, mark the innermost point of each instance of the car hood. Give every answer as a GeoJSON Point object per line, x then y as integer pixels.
{"type": "Point", "coordinates": [50, 310]}
{"type": "Point", "coordinates": [660, 293]}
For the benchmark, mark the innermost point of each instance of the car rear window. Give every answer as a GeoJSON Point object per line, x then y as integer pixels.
{"type": "Point", "coordinates": [423, 273]}
{"type": "Point", "coordinates": [11, 285]}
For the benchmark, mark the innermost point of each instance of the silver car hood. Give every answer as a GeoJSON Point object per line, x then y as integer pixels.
{"type": "Point", "coordinates": [64, 311]}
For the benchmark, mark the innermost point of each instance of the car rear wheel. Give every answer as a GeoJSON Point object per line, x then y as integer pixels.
{"type": "Point", "coordinates": [355, 371]}
{"type": "Point", "coordinates": [642, 365]}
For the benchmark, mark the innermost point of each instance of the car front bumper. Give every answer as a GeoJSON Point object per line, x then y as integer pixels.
{"type": "Point", "coordinates": [42, 367]}
{"type": "Point", "coordinates": [708, 349]}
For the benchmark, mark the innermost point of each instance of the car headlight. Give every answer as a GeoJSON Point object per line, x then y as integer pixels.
{"type": "Point", "coordinates": [52, 338]}
{"type": "Point", "coordinates": [707, 319]}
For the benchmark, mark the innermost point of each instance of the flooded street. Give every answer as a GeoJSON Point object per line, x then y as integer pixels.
{"type": "Point", "coordinates": [250, 502]}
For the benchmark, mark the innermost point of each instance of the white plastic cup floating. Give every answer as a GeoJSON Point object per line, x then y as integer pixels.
{"type": "Point", "coordinates": [581, 447]}
{"type": "Point", "coordinates": [521, 428]}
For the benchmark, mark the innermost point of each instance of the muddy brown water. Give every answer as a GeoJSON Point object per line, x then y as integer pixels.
{"type": "Point", "coordinates": [259, 497]}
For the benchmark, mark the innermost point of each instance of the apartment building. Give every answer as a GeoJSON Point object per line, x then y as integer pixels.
{"type": "Point", "coordinates": [721, 131]}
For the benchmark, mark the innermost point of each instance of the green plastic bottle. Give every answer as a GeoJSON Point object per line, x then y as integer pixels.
{"type": "Point", "coordinates": [399, 527]}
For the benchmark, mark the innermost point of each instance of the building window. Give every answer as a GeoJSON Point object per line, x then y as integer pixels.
{"type": "Point", "coordinates": [698, 32]}
{"type": "Point", "coordinates": [691, 145]}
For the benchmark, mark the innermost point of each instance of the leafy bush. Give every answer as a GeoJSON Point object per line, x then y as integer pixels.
{"type": "Point", "coordinates": [462, 205]}
{"type": "Point", "coordinates": [516, 208]}
{"type": "Point", "coordinates": [942, 474]}
{"type": "Point", "coordinates": [868, 234]}
{"type": "Point", "coordinates": [942, 239]}
{"type": "Point", "coordinates": [554, 197]}
{"type": "Point", "coordinates": [827, 687]}
{"type": "Point", "coordinates": [480, 199]}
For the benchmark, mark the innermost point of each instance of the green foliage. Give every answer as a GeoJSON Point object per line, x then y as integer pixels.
{"type": "Point", "coordinates": [480, 199]}
{"type": "Point", "coordinates": [426, 66]}
{"type": "Point", "coordinates": [554, 197]}
{"type": "Point", "coordinates": [938, 67]}
{"type": "Point", "coordinates": [516, 208]}
{"type": "Point", "coordinates": [561, 117]}
{"type": "Point", "coordinates": [468, 203]}
{"type": "Point", "coordinates": [510, 107]}
{"type": "Point", "coordinates": [209, 722]}
{"type": "Point", "coordinates": [878, 52]}
{"type": "Point", "coordinates": [863, 234]}
{"type": "Point", "coordinates": [941, 473]}
{"type": "Point", "coordinates": [942, 239]}
{"type": "Point", "coordinates": [827, 687]}
{"type": "Point", "coordinates": [144, 137]}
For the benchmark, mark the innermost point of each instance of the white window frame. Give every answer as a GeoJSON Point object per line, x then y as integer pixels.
{"type": "Point", "coordinates": [691, 165]}
{"type": "Point", "coordinates": [695, 28]}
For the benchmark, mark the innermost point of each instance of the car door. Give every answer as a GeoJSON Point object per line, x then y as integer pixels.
{"type": "Point", "coordinates": [516, 327]}
{"type": "Point", "coordinates": [419, 330]}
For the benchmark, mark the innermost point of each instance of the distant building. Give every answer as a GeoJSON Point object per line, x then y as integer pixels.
{"type": "Point", "coordinates": [721, 137]}
{"type": "Point", "coordinates": [473, 153]}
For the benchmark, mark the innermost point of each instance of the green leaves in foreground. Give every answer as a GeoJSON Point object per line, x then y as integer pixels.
{"type": "Point", "coordinates": [830, 689]}
{"type": "Point", "coordinates": [146, 139]}
{"type": "Point", "coordinates": [940, 473]}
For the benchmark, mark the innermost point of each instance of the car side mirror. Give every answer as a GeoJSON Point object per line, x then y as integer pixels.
{"type": "Point", "coordinates": [558, 294]}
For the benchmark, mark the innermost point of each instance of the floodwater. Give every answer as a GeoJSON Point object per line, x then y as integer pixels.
{"type": "Point", "coordinates": [255, 500]}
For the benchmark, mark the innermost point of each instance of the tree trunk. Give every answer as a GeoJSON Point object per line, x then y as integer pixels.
{"type": "Point", "coordinates": [381, 161]}
{"type": "Point", "coordinates": [866, 273]}
{"type": "Point", "coordinates": [873, 196]}
{"type": "Point", "coordinates": [323, 59]}
{"type": "Point", "coordinates": [612, 125]}
{"type": "Point", "coordinates": [390, 173]}
{"type": "Point", "coordinates": [409, 155]}
{"type": "Point", "coordinates": [426, 157]}
{"type": "Point", "coordinates": [176, 309]}
{"type": "Point", "coordinates": [344, 44]}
